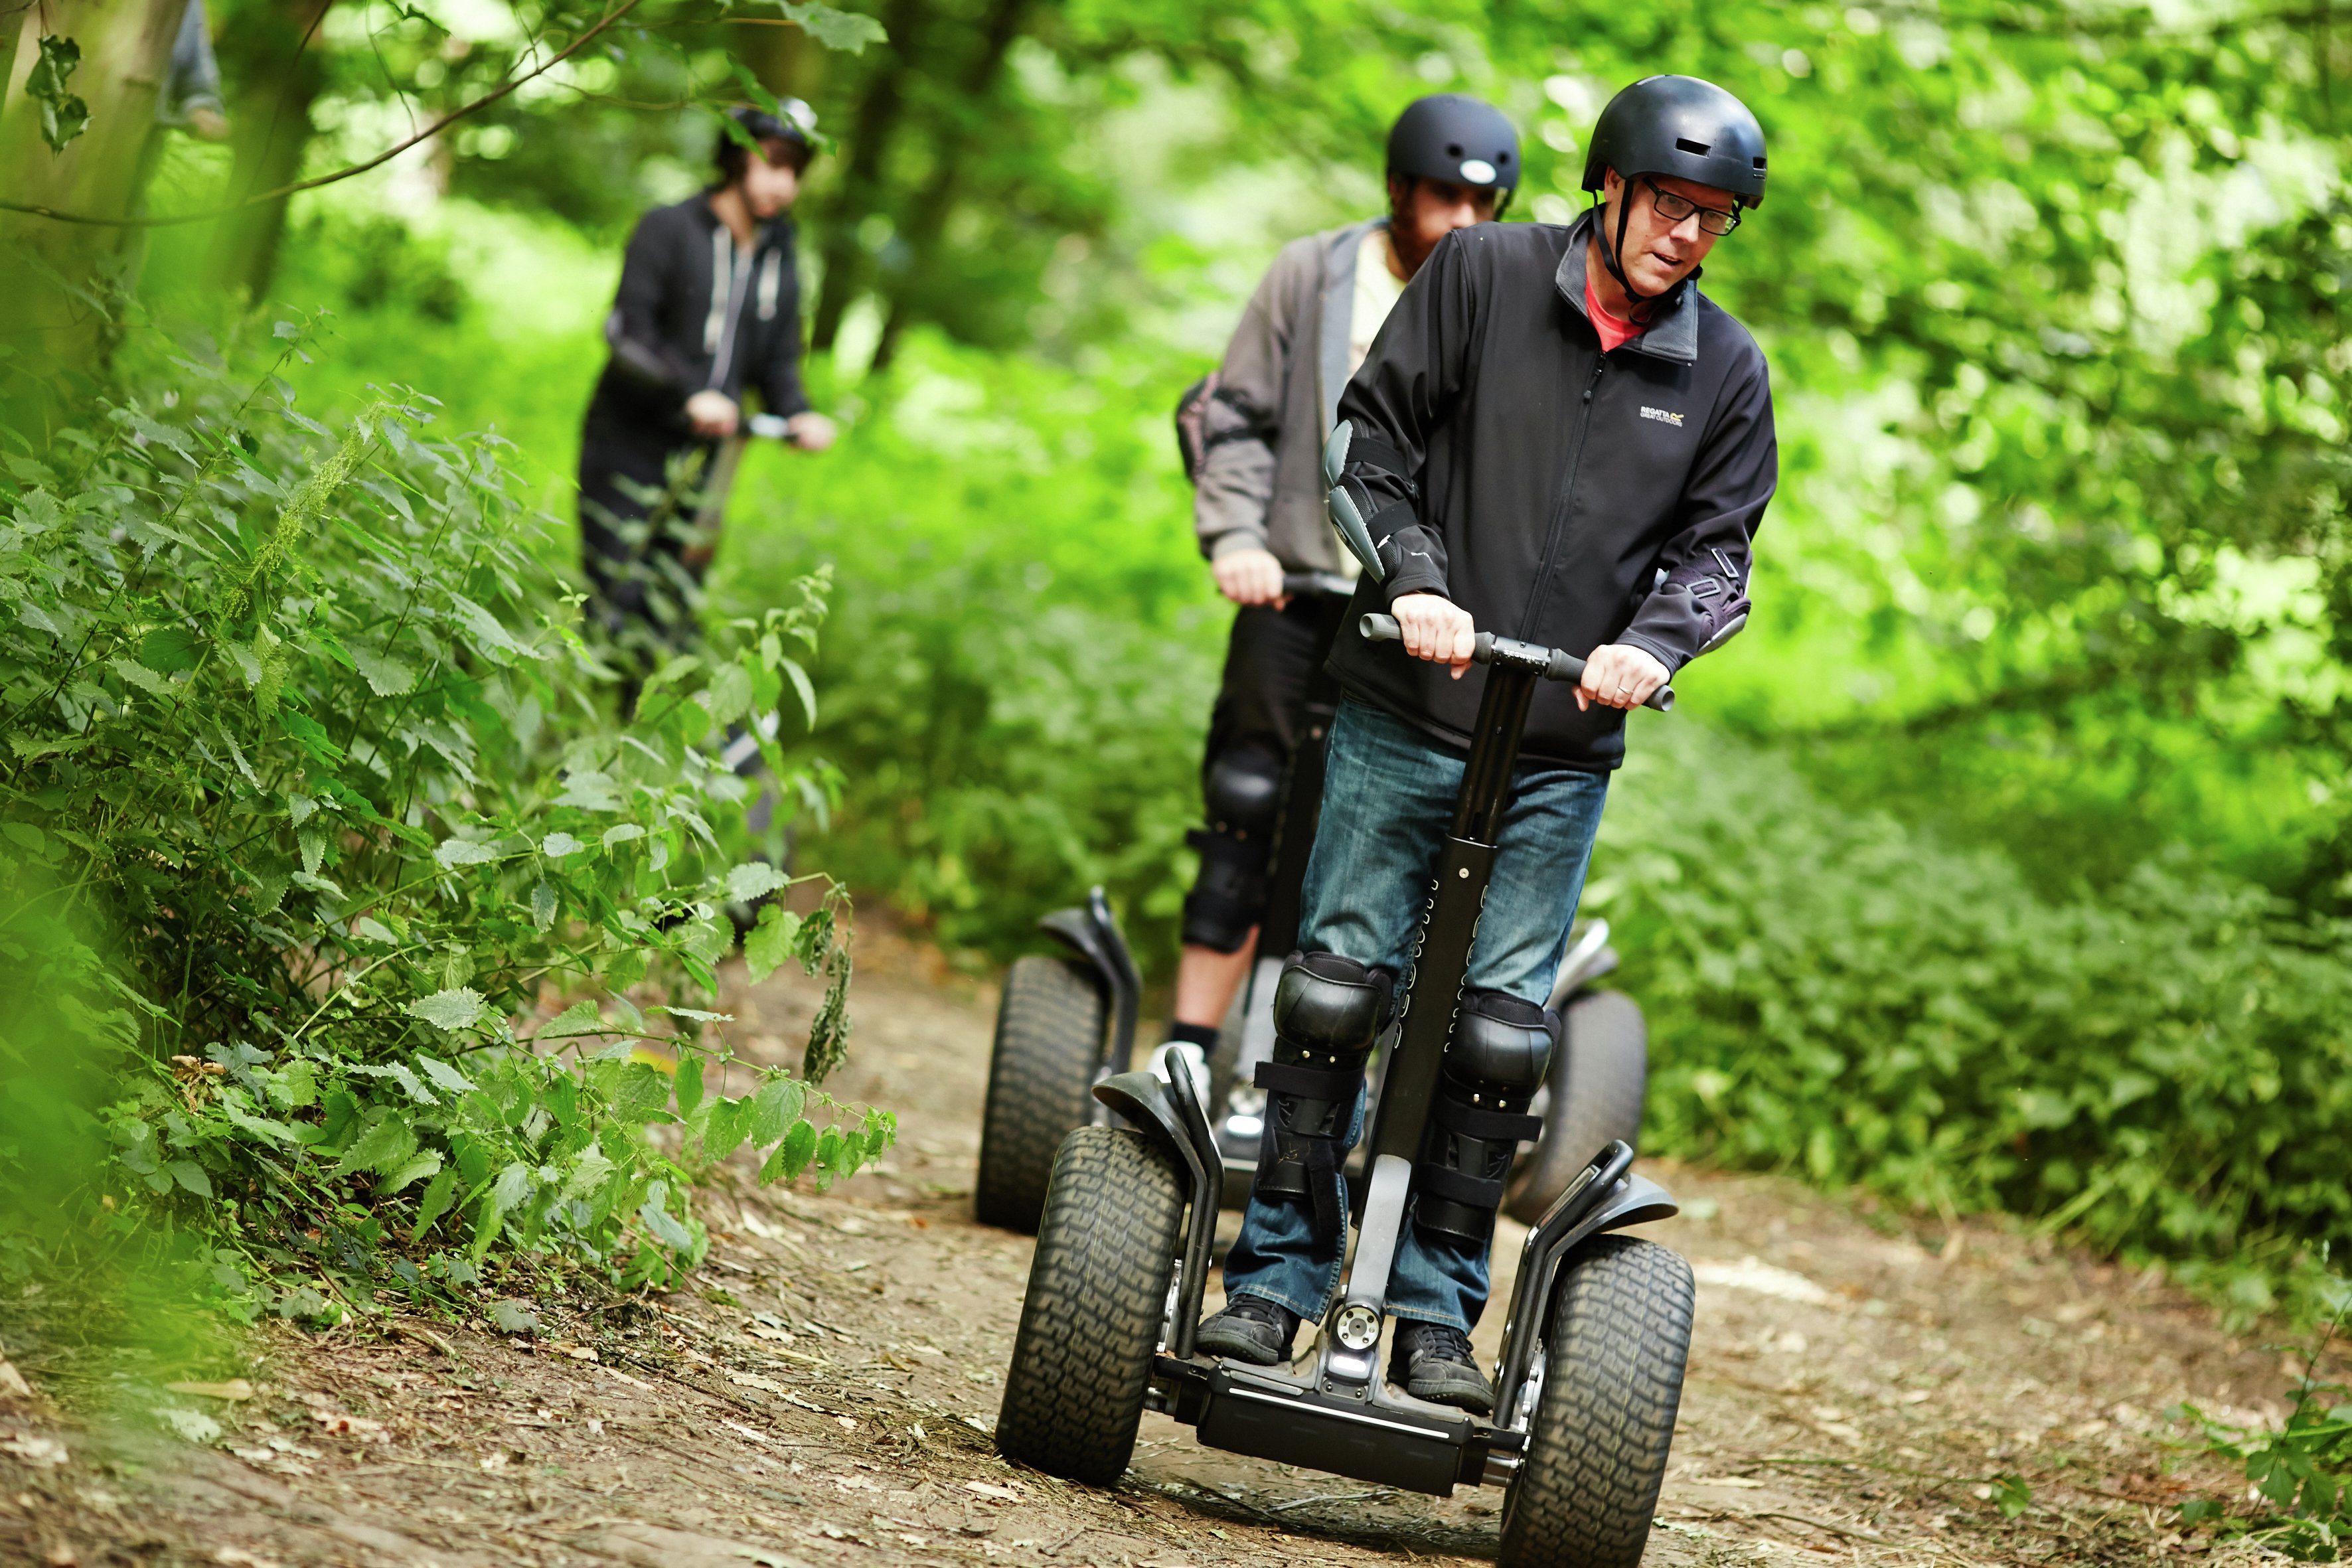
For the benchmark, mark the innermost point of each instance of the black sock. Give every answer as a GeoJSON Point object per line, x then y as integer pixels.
{"type": "Point", "coordinates": [1200, 1034]}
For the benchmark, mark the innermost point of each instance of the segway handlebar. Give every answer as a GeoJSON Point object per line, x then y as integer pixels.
{"type": "Point", "coordinates": [1551, 663]}
{"type": "Point", "coordinates": [1296, 584]}
{"type": "Point", "coordinates": [770, 427]}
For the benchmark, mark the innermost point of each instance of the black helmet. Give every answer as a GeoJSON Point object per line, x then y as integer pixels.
{"type": "Point", "coordinates": [1680, 125]}
{"type": "Point", "coordinates": [1461, 140]}
{"type": "Point", "coordinates": [795, 127]}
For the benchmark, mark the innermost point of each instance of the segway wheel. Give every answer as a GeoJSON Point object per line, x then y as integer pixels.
{"type": "Point", "coordinates": [1598, 1082]}
{"type": "Point", "coordinates": [1049, 1042]}
{"type": "Point", "coordinates": [1605, 1418]}
{"type": "Point", "coordinates": [1098, 1297]}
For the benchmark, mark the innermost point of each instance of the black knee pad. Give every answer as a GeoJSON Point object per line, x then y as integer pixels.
{"type": "Point", "coordinates": [1502, 1046]}
{"type": "Point", "coordinates": [1327, 1011]}
{"type": "Point", "coordinates": [1242, 792]}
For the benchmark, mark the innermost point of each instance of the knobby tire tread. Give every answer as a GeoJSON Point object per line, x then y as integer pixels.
{"type": "Point", "coordinates": [1618, 1340]}
{"type": "Point", "coordinates": [1091, 1319]}
{"type": "Point", "coordinates": [1049, 1035]}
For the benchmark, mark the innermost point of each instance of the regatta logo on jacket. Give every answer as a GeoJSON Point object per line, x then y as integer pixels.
{"type": "Point", "coordinates": [1663, 416]}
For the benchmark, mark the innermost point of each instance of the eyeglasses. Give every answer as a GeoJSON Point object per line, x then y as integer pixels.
{"type": "Point", "coordinates": [1674, 209]}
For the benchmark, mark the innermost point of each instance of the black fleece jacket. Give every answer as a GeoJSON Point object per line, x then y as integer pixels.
{"type": "Point", "coordinates": [1560, 495]}
{"type": "Point", "coordinates": [696, 312]}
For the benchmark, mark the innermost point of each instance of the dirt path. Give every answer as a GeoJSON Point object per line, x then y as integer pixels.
{"type": "Point", "coordinates": [824, 1395]}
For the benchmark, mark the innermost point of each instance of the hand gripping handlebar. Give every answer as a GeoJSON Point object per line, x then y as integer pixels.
{"type": "Point", "coordinates": [1551, 663]}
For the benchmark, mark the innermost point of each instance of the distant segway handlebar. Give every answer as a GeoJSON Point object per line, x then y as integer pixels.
{"type": "Point", "coordinates": [1296, 584]}
{"type": "Point", "coordinates": [1551, 663]}
{"type": "Point", "coordinates": [770, 427]}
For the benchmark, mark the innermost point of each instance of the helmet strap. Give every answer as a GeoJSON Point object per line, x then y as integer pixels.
{"type": "Point", "coordinates": [1612, 251]}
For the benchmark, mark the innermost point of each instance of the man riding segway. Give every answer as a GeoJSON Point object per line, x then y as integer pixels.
{"type": "Point", "coordinates": [1559, 441]}
{"type": "Point", "coordinates": [1256, 429]}
{"type": "Point", "coordinates": [1251, 434]}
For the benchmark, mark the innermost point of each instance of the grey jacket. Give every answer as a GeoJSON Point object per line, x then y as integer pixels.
{"type": "Point", "coordinates": [1261, 482]}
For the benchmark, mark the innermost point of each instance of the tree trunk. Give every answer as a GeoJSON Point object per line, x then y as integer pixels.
{"type": "Point", "coordinates": [872, 130]}
{"type": "Point", "coordinates": [928, 219]}
{"type": "Point", "coordinates": [274, 66]}
{"type": "Point", "coordinates": [64, 276]}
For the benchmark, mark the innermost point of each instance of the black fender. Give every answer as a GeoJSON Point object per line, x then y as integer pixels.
{"type": "Point", "coordinates": [1608, 1196]}
{"type": "Point", "coordinates": [1168, 1112]}
{"type": "Point", "coordinates": [1093, 934]}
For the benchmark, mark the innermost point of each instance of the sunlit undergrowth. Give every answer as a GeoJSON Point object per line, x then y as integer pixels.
{"type": "Point", "coordinates": [397, 950]}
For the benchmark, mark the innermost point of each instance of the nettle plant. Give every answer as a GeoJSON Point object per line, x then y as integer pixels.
{"type": "Point", "coordinates": [412, 944]}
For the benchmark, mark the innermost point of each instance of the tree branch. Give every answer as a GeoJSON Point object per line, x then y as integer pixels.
{"type": "Point", "coordinates": [604, 24]}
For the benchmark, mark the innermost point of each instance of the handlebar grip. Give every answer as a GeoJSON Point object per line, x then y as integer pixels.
{"type": "Point", "coordinates": [770, 427]}
{"type": "Point", "coordinates": [1563, 666]}
{"type": "Point", "coordinates": [1296, 584]}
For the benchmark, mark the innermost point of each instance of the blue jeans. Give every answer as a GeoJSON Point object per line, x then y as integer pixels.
{"type": "Point", "coordinates": [1387, 798]}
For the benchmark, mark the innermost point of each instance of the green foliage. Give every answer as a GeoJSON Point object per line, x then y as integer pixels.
{"type": "Point", "coordinates": [2301, 1473]}
{"type": "Point", "coordinates": [2167, 1069]}
{"type": "Point", "coordinates": [298, 716]}
{"type": "Point", "coordinates": [63, 115]}
{"type": "Point", "coordinates": [1017, 707]}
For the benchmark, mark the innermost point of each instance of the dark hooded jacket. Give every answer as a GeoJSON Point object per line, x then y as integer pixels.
{"type": "Point", "coordinates": [696, 312]}
{"type": "Point", "coordinates": [1560, 495]}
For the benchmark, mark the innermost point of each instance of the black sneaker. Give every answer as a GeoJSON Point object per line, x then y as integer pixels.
{"type": "Point", "coordinates": [1250, 1329]}
{"type": "Point", "coordinates": [1434, 1363]}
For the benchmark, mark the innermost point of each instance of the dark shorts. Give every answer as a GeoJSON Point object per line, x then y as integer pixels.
{"type": "Point", "coordinates": [633, 545]}
{"type": "Point", "coordinates": [1274, 665]}
{"type": "Point", "coordinates": [1272, 660]}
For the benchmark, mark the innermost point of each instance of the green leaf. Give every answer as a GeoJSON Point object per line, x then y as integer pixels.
{"type": "Point", "coordinates": [622, 835]}
{"type": "Point", "coordinates": [728, 696]}
{"type": "Point", "coordinates": [63, 116]}
{"type": "Point", "coordinates": [754, 879]}
{"type": "Point", "coordinates": [445, 1075]}
{"type": "Point", "coordinates": [25, 836]}
{"type": "Point", "coordinates": [556, 845]}
{"type": "Point", "coordinates": [385, 676]}
{"type": "Point", "coordinates": [800, 685]}
{"type": "Point", "coordinates": [726, 1126]}
{"type": "Point", "coordinates": [588, 790]}
{"type": "Point", "coordinates": [770, 943]}
{"type": "Point", "coordinates": [512, 1187]}
{"type": "Point", "coordinates": [170, 649]}
{"type": "Point", "coordinates": [451, 1011]}
{"type": "Point", "coordinates": [776, 1104]}
{"type": "Point", "coordinates": [542, 904]}
{"type": "Point", "coordinates": [435, 1201]}
{"type": "Point", "coordinates": [415, 1168]}
{"type": "Point", "coordinates": [690, 1084]}
{"type": "Point", "coordinates": [382, 1148]}
{"type": "Point", "coordinates": [456, 852]}
{"type": "Point", "coordinates": [260, 1127]}
{"type": "Point", "coordinates": [665, 1229]}
{"type": "Point", "coordinates": [580, 1019]}
{"type": "Point", "coordinates": [136, 674]}
{"type": "Point", "coordinates": [845, 30]}
{"type": "Point", "coordinates": [791, 1156]}
{"type": "Point", "coordinates": [191, 1177]}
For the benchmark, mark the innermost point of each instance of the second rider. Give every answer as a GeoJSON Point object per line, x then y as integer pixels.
{"type": "Point", "coordinates": [1452, 161]}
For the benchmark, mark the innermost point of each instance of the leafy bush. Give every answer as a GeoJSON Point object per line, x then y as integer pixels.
{"type": "Point", "coordinates": [299, 722]}
{"type": "Point", "coordinates": [1023, 645]}
{"type": "Point", "coordinates": [2169, 1069]}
